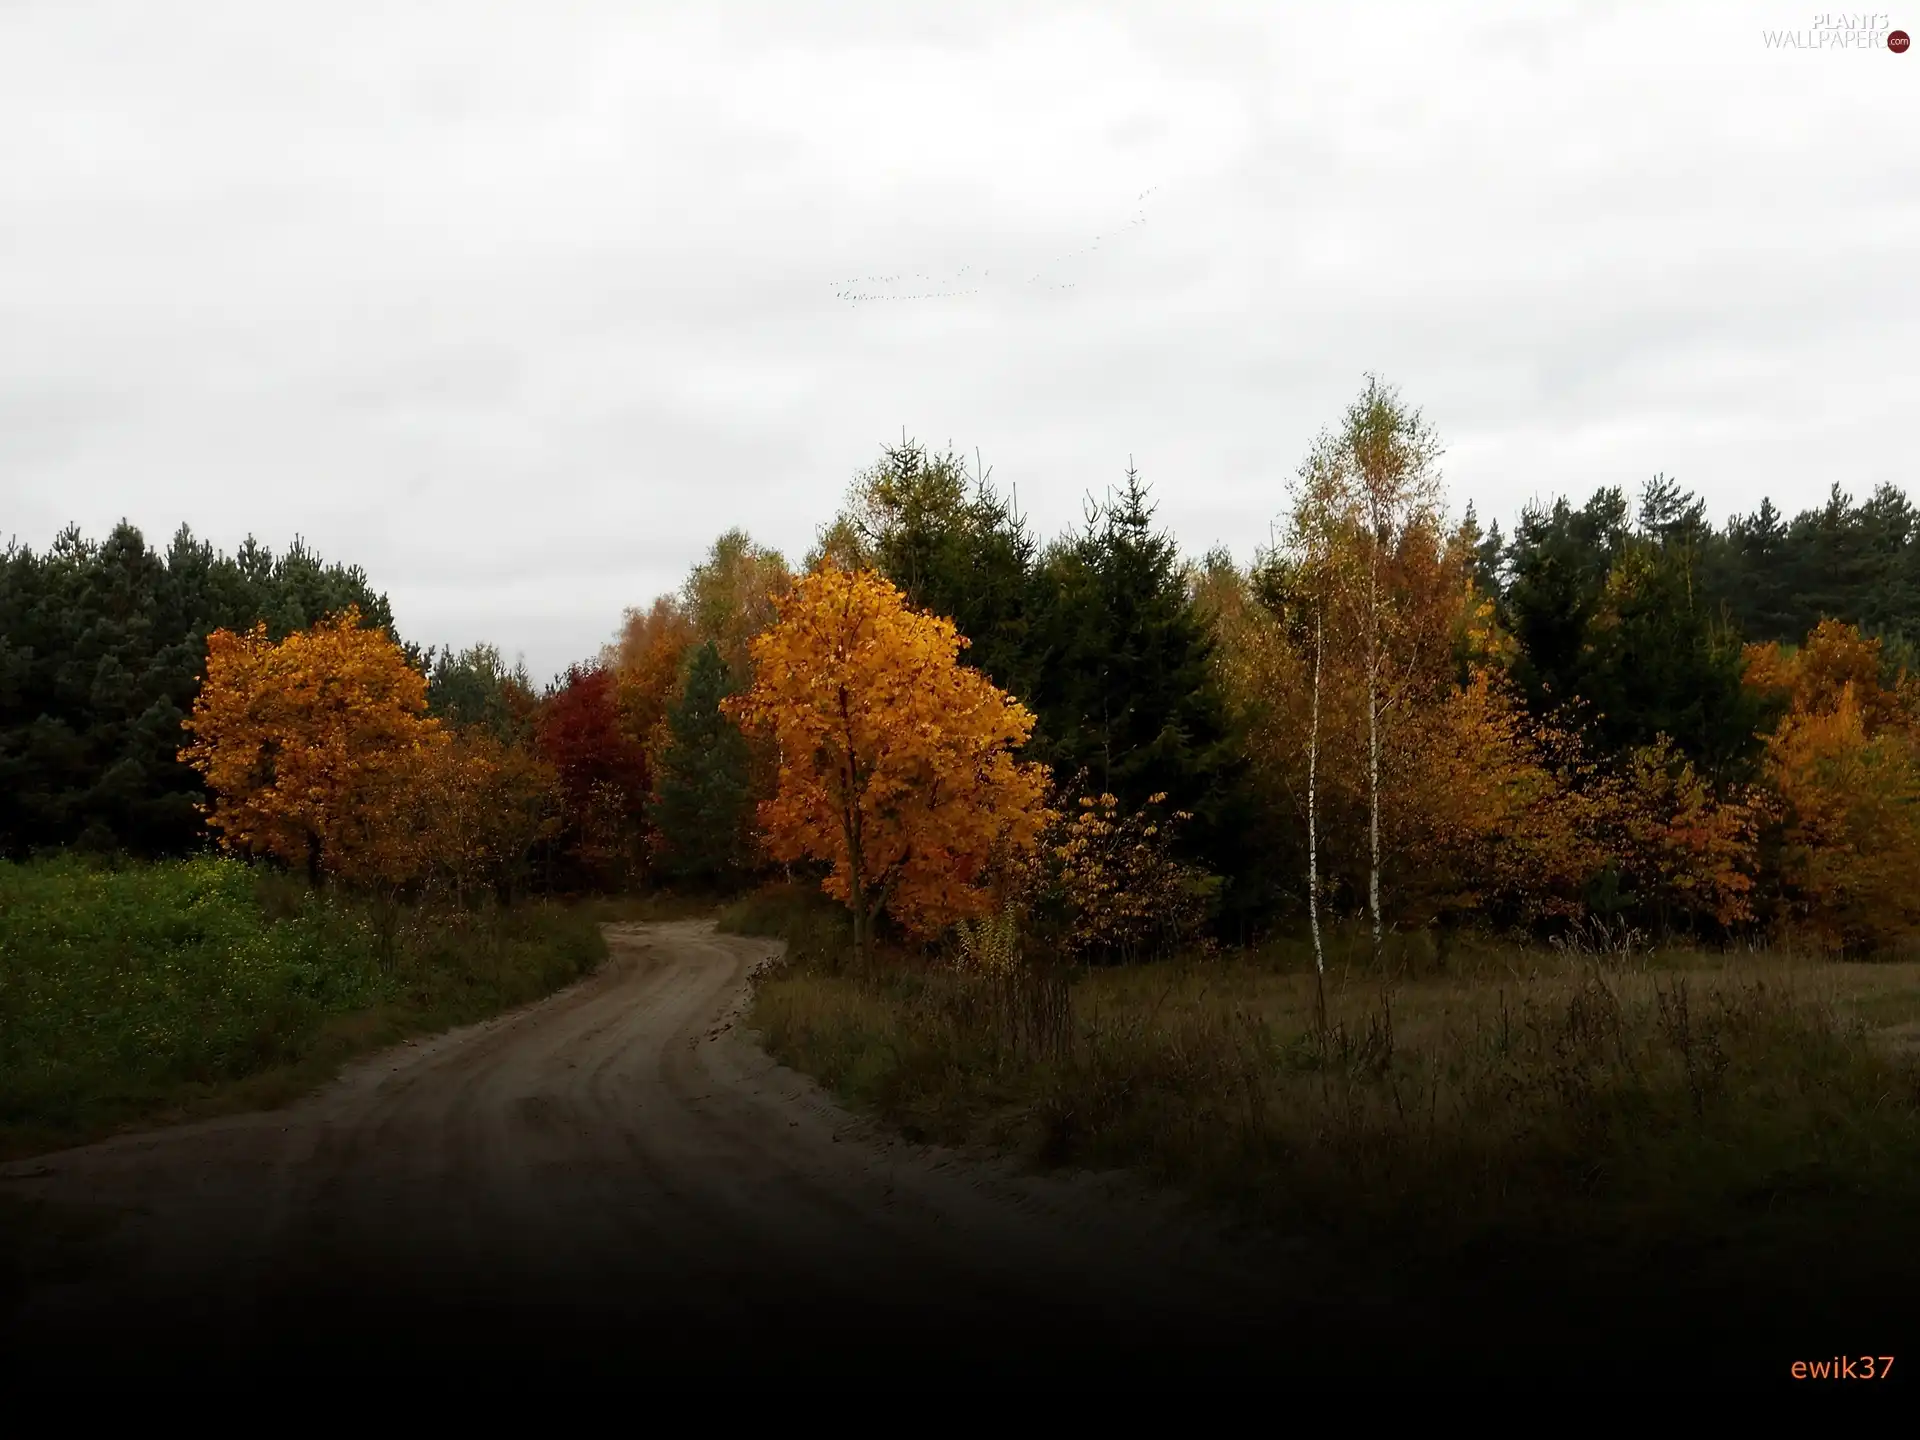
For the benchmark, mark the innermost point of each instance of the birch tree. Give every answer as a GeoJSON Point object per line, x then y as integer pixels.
{"type": "Point", "coordinates": [1321, 523]}
{"type": "Point", "coordinates": [1370, 489]}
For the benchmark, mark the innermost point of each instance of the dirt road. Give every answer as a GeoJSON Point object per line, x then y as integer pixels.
{"type": "Point", "coordinates": [615, 1178]}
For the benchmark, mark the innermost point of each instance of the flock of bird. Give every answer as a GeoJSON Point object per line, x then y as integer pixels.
{"type": "Point", "coordinates": [966, 281]}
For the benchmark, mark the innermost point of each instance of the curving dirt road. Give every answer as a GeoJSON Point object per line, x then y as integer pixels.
{"type": "Point", "coordinates": [615, 1178]}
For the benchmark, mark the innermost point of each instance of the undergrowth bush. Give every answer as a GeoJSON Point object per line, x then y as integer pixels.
{"type": "Point", "coordinates": [818, 931]}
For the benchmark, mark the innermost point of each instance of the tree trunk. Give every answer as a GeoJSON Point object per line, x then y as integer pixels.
{"type": "Point", "coordinates": [850, 827]}
{"type": "Point", "coordinates": [857, 894]}
{"type": "Point", "coordinates": [1313, 833]}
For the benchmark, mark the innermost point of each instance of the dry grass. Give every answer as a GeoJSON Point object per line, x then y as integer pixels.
{"type": "Point", "coordinates": [1722, 1119]}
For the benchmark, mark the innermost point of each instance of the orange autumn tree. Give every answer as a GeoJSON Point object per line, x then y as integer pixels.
{"type": "Point", "coordinates": [480, 807]}
{"type": "Point", "coordinates": [1844, 768]}
{"type": "Point", "coordinates": [897, 762]}
{"type": "Point", "coordinates": [1815, 678]}
{"type": "Point", "coordinates": [311, 746]}
{"type": "Point", "coordinates": [646, 663]}
{"type": "Point", "coordinates": [1688, 853]}
{"type": "Point", "coordinates": [1496, 808]}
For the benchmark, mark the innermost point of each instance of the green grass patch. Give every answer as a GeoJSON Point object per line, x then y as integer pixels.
{"type": "Point", "coordinates": [134, 993]}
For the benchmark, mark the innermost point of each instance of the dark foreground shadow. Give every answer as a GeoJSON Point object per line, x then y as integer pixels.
{"type": "Point", "coordinates": [748, 1328]}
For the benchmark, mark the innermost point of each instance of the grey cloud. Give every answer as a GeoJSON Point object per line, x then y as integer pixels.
{"type": "Point", "coordinates": [518, 306]}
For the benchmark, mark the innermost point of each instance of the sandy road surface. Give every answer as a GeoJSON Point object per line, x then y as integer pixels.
{"type": "Point", "coordinates": [615, 1177]}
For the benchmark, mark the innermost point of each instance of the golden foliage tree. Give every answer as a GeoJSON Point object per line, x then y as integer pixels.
{"type": "Point", "coordinates": [1687, 853]}
{"type": "Point", "coordinates": [1365, 667]}
{"type": "Point", "coordinates": [311, 748]}
{"type": "Point", "coordinates": [1844, 768]}
{"type": "Point", "coordinates": [1491, 814]}
{"type": "Point", "coordinates": [897, 762]}
{"type": "Point", "coordinates": [481, 807]}
{"type": "Point", "coordinates": [646, 661]}
{"type": "Point", "coordinates": [1114, 877]}
{"type": "Point", "coordinates": [1264, 665]}
{"type": "Point", "coordinates": [1481, 807]}
{"type": "Point", "coordinates": [1815, 679]}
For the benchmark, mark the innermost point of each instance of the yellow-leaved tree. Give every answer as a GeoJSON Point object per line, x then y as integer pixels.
{"type": "Point", "coordinates": [897, 762]}
{"type": "Point", "coordinates": [646, 662]}
{"type": "Point", "coordinates": [1123, 892]}
{"type": "Point", "coordinates": [1686, 852]}
{"type": "Point", "coordinates": [480, 807]}
{"type": "Point", "coordinates": [1844, 768]}
{"type": "Point", "coordinates": [1491, 816]}
{"type": "Point", "coordinates": [311, 748]}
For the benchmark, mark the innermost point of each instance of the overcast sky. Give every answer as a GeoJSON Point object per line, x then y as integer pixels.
{"type": "Point", "coordinates": [519, 304]}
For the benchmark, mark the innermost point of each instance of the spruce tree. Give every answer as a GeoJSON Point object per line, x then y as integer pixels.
{"type": "Point", "coordinates": [701, 805]}
{"type": "Point", "coordinates": [1125, 688]}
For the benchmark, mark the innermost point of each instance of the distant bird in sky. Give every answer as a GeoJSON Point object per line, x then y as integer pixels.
{"type": "Point", "coordinates": [966, 281]}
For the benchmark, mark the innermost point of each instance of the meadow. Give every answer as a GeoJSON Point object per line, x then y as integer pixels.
{"type": "Point", "coordinates": [1571, 1129]}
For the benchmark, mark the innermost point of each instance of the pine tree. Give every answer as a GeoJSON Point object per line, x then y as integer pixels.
{"type": "Point", "coordinates": [1487, 547]}
{"type": "Point", "coordinates": [702, 800]}
{"type": "Point", "coordinates": [1557, 566]}
{"type": "Point", "coordinates": [1618, 621]}
{"type": "Point", "coordinates": [476, 687]}
{"type": "Point", "coordinates": [1657, 662]}
{"type": "Point", "coordinates": [1750, 581]}
{"type": "Point", "coordinates": [101, 650]}
{"type": "Point", "coordinates": [954, 546]}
